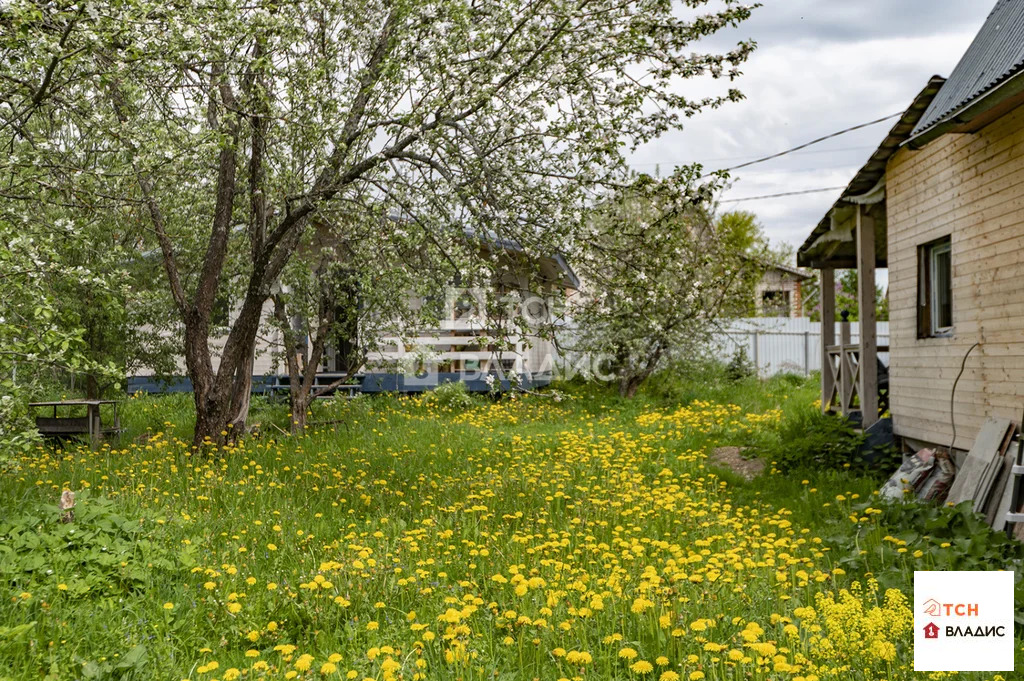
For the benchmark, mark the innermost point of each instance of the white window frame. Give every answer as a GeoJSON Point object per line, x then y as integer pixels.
{"type": "Point", "coordinates": [933, 253]}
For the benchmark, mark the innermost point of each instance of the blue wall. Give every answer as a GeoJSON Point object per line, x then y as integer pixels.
{"type": "Point", "coordinates": [370, 383]}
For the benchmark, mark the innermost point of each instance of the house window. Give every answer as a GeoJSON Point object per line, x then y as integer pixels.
{"type": "Point", "coordinates": [935, 289]}
{"type": "Point", "coordinates": [775, 304]}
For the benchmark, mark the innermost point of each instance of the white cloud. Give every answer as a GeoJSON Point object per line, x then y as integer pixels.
{"type": "Point", "coordinates": [800, 85]}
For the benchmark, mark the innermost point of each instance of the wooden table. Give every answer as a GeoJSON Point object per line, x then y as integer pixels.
{"type": "Point", "coordinates": [64, 426]}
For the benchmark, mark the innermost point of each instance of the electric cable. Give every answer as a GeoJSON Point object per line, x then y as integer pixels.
{"type": "Point", "coordinates": [952, 394]}
{"type": "Point", "coordinates": [775, 196]}
{"type": "Point", "coordinates": [808, 144]}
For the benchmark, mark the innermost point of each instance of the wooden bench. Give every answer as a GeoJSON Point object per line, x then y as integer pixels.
{"type": "Point", "coordinates": [49, 426]}
{"type": "Point", "coordinates": [63, 427]}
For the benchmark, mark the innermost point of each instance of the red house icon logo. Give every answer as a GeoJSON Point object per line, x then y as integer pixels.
{"type": "Point", "coordinates": [931, 630]}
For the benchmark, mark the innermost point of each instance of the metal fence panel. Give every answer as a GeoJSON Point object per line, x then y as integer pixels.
{"type": "Point", "coordinates": [782, 345]}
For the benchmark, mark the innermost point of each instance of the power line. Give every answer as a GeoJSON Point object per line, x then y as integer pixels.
{"type": "Point", "coordinates": [775, 196]}
{"type": "Point", "coordinates": [738, 158]}
{"type": "Point", "coordinates": [812, 142]}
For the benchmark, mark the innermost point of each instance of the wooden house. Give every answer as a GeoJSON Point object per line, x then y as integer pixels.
{"type": "Point", "coordinates": [940, 203]}
{"type": "Point", "coordinates": [780, 292]}
{"type": "Point", "coordinates": [464, 345]}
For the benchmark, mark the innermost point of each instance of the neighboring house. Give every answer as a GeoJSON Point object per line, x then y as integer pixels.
{"type": "Point", "coordinates": [780, 292]}
{"type": "Point", "coordinates": [469, 346]}
{"type": "Point", "coordinates": [464, 346]}
{"type": "Point", "coordinates": [941, 204]}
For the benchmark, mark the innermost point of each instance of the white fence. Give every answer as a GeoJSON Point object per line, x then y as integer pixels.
{"type": "Point", "coordinates": [783, 345]}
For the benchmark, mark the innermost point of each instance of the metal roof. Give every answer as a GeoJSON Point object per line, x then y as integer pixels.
{"type": "Point", "coordinates": [795, 271]}
{"type": "Point", "coordinates": [996, 55]}
{"type": "Point", "coordinates": [868, 177]}
{"type": "Point", "coordinates": [491, 239]}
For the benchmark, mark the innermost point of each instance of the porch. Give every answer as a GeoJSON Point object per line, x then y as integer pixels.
{"type": "Point", "coordinates": [457, 345]}
{"type": "Point", "coordinates": [853, 234]}
{"type": "Point", "coordinates": [854, 382]}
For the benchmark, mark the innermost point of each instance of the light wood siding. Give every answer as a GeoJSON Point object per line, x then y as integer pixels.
{"type": "Point", "coordinates": [265, 363]}
{"type": "Point", "coordinates": [969, 187]}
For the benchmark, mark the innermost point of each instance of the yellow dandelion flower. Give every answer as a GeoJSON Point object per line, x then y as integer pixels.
{"type": "Point", "coordinates": [642, 667]}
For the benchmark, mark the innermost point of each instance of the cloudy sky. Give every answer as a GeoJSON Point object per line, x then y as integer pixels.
{"type": "Point", "coordinates": [820, 66]}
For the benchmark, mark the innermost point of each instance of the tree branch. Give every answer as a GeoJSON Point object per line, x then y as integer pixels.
{"type": "Point", "coordinates": [216, 250]}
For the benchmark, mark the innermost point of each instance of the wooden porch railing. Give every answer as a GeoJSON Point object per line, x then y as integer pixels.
{"type": "Point", "coordinates": [461, 349]}
{"type": "Point", "coordinates": [844, 365]}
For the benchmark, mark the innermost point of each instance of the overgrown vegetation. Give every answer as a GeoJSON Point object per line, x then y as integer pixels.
{"type": "Point", "coordinates": [100, 554]}
{"type": "Point", "coordinates": [942, 537]}
{"type": "Point", "coordinates": [452, 396]}
{"type": "Point", "coordinates": [424, 535]}
{"type": "Point", "coordinates": [809, 439]}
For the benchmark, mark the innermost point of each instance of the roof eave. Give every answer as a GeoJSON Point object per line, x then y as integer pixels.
{"type": "Point", "coordinates": [961, 118]}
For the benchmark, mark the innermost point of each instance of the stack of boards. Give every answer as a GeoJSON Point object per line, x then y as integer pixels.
{"type": "Point", "coordinates": [985, 476]}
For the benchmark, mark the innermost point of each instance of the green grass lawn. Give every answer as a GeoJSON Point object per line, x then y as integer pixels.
{"type": "Point", "coordinates": [520, 539]}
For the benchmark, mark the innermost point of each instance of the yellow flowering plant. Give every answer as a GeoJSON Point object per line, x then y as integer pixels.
{"type": "Point", "coordinates": [586, 538]}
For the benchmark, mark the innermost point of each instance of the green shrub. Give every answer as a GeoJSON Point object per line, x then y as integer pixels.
{"type": "Point", "coordinates": [18, 431]}
{"type": "Point", "coordinates": [740, 366]}
{"type": "Point", "coordinates": [452, 396]}
{"type": "Point", "coordinates": [790, 379]}
{"type": "Point", "coordinates": [974, 545]}
{"type": "Point", "coordinates": [808, 438]}
{"type": "Point", "coordinates": [684, 381]}
{"type": "Point", "coordinates": [948, 537]}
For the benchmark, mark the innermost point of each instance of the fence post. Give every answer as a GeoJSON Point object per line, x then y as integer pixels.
{"type": "Point", "coordinates": [807, 353]}
{"type": "Point", "coordinates": [757, 362]}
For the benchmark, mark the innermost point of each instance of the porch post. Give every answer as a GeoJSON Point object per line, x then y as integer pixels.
{"type": "Point", "coordinates": [828, 333]}
{"type": "Point", "coordinates": [868, 350]}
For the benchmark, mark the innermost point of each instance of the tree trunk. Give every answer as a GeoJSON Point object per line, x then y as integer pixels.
{"type": "Point", "coordinates": [212, 393]}
{"type": "Point", "coordinates": [298, 365]}
{"type": "Point", "coordinates": [628, 385]}
{"type": "Point", "coordinates": [300, 408]}
{"type": "Point", "coordinates": [92, 387]}
{"type": "Point", "coordinates": [631, 382]}
{"type": "Point", "coordinates": [212, 415]}
{"type": "Point", "coordinates": [241, 396]}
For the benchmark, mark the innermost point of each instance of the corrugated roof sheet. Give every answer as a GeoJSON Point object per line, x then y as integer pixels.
{"type": "Point", "coordinates": [795, 271]}
{"type": "Point", "coordinates": [996, 54]}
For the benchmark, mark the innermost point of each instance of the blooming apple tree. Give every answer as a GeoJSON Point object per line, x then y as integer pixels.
{"type": "Point", "coordinates": [659, 274]}
{"type": "Point", "coordinates": [224, 129]}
